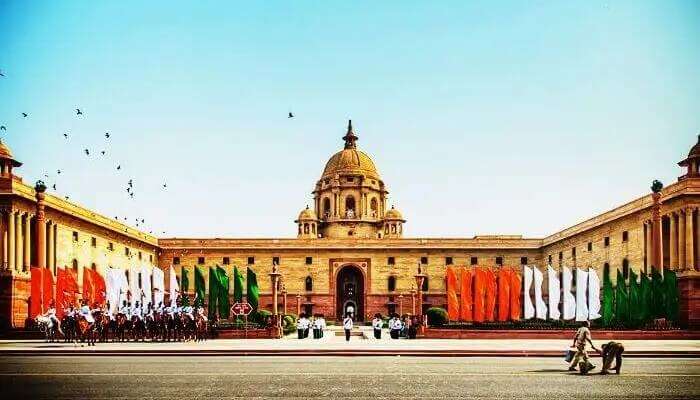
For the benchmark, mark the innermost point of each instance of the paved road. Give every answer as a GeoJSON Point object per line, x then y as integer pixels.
{"type": "Point", "coordinates": [338, 377]}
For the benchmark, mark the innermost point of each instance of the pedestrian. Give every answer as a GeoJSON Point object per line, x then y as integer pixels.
{"type": "Point", "coordinates": [323, 324]}
{"type": "Point", "coordinates": [413, 328]}
{"type": "Point", "coordinates": [318, 327]}
{"type": "Point", "coordinates": [377, 325]}
{"type": "Point", "coordinates": [582, 337]}
{"type": "Point", "coordinates": [301, 326]}
{"type": "Point", "coordinates": [612, 351]}
{"type": "Point", "coordinates": [395, 327]}
{"type": "Point", "coordinates": [347, 326]}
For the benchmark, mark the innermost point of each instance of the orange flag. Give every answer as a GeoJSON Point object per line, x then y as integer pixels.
{"type": "Point", "coordinates": [503, 294]}
{"type": "Point", "coordinates": [515, 288]}
{"type": "Point", "coordinates": [452, 300]}
{"type": "Point", "coordinates": [489, 312]}
{"type": "Point", "coordinates": [100, 288]}
{"type": "Point", "coordinates": [66, 288]}
{"type": "Point", "coordinates": [465, 295]}
{"type": "Point", "coordinates": [479, 293]}
{"type": "Point", "coordinates": [88, 286]}
{"type": "Point", "coordinates": [36, 286]}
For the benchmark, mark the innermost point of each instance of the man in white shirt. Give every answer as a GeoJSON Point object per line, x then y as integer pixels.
{"type": "Point", "coordinates": [377, 325]}
{"type": "Point", "coordinates": [582, 337]}
{"type": "Point", "coordinates": [395, 327]}
{"type": "Point", "coordinates": [301, 326]}
{"type": "Point", "coordinates": [347, 326]}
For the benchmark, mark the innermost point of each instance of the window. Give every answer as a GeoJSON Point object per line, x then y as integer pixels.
{"type": "Point", "coordinates": [75, 265]}
{"type": "Point", "coordinates": [309, 284]}
{"type": "Point", "coordinates": [425, 284]}
{"type": "Point", "coordinates": [110, 246]}
{"type": "Point", "coordinates": [499, 260]}
{"type": "Point", "coordinates": [424, 260]}
{"type": "Point", "coordinates": [75, 236]}
{"type": "Point", "coordinates": [200, 260]}
{"type": "Point", "coordinates": [448, 260]}
{"type": "Point", "coordinates": [474, 261]}
{"type": "Point", "coordinates": [625, 268]}
{"type": "Point", "coordinates": [226, 261]}
{"type": "Point", "coordinates": [549, 259]}
{"type": "Point", "coordinates": [126, 251]}
{"type": "Point", "coordinates": [350, 179]}
{"type": "Point", "coordinates": [573, 252]}
{"type": "Point", "coordinates": [625, 236]}
{"type": "Point", "coordinates": [561, 255]}
{"type": "Point", "coordinates": [606, 241]}
{"type": "Point", "coordinates": [150, 258]}
{"type": "Point", "coordinates": [391, 261]}
{"type": "Point", "coordinates": [590, 246]}
{"type": "Point", "coordinates": [326, 208]}
{"type": "Point", "coordinates": [176, 260]}
{"type": "Point", "coordinates": [93, 267]}
{"type": "Point", "coordinates": [523, 260]}
{"type": "Point", "coordinates": [275, 260]}
{"type": "Point", "coordinates": [309, 260]}
{"type": "Point", "coordinates": [349, 204]}
{"type": "Point", "coordinates": [251, 260]}
{"type": "Point", "coordinates": [93, 242]}
{"type": "Point", "coordinates": [140, 255]}
{"type": "Point", "coordinates": [391, 284]}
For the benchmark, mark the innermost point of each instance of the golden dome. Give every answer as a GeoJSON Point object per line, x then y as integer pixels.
{"type": "Point", "coordinates": [307, 215]}
{"type": "Point", "coordinates": [6, 154]}
{"type": "Point", "coordinates": [393, 214]}
{"type": "Point", "coordinates": [350, 160]}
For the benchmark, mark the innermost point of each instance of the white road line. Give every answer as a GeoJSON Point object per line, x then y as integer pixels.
{"type": "Point", "coordinates": [243, 374]}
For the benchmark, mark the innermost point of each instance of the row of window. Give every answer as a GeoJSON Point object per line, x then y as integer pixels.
{"type": "Point", "coordinates": [310, 260]}
{"type": "Point", "coordinates": [391, 284]}
{"type": "Point", "coordinates": [589, 246]}
{"type": "Point", "coordinates": [110, 246]}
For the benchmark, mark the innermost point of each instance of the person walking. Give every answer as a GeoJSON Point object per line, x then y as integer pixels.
{"type": "Point", "coordinates": [582, 337]}
{"type": "Point", "coordinates": [347, 326]}
{"type": "Point", "coordinates": [301, 326]}
{"type": "Point", "coordinates": [377, 325]}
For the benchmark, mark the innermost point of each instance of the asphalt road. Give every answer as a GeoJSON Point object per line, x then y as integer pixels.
{"type": "Point", "coordinates": [338, 377]}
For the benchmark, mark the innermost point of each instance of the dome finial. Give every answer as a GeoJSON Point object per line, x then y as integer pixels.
{"type": "Point", "coordinates": [350, 137]}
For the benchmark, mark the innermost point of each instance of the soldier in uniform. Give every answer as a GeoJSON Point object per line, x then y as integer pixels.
{"type": "Point", "coordinates": [377, 325]}
{"type": "Point", "coordinates": [347, 326]}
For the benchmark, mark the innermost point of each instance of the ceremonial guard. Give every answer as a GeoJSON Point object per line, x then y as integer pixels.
{"type": "Point", "coordinates": [302, 326]}
{"type": "Point", "coordinates": [318, 327]}
{"type": "Point", "coordinates": [347, 326]}
{"type": "Point", "coordinates": [395, 327]}
{"type": "Point", "coordinates": [51, 315]}
{"type": "Point", "coordinates": [377, 325]}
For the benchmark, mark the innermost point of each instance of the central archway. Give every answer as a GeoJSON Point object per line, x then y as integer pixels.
{"type": "Point", "coordinates": [350, 293]}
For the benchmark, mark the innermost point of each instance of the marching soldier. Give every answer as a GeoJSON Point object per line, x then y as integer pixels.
{"type": "Point", "coordinates": [377, 325]}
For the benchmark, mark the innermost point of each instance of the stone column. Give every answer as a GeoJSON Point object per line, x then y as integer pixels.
{"type": "Point", "coordinates": [3, 243]}
{"type": "Point", "coordinates": [420, 278]}
{"type": "Point", "coordinates": [27, 258]}
{"type": "Point", "coordinates": [689, 251]}
{"type": "Point", "coordinates": [298, 305]}
{"type": "Point", "coordinates": [413, 301]}
{"type": "Point", "coordinates": [274, 276]}
{"type": "Point", "coordinates": [673, 238]}
{"type": "Point", "coordinates": [284, 300]}
{"type": "Point", "coordinates": [50, 248]}
{"type": "Point", "coordinates": [647, 244]}
{"type": "Point", "coordinates": [11, 240]}
{"type": "Point", "coordinates": [657, 258]}
{"type": "Point", "coordinates": [19, 245]}
{"type": "Point", "coordinates": [40, 188]}
{"type": "Point", "coordinates": [681, 240]}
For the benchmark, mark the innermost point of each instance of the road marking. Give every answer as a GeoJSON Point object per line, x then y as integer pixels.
{"type": "Point", "coordinates": [243, 374]}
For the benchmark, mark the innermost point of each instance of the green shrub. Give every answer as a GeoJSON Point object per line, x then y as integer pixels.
{"type": "Point", "coordinates": [259, 317]}
{"type": "Point", "coordinates": [437, 316]}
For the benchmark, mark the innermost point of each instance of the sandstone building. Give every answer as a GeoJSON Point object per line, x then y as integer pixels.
{"type": "Point", "coordinates": [350, 249]}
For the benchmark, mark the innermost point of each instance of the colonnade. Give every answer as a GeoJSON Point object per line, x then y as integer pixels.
{"type": "Point", "coordinates": [17, 238]}
{"type": "Point", "coordinates": [681, 242]}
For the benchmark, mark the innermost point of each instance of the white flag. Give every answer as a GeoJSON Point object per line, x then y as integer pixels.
{"type": "Point", "coordinates": [134, 283]}
{"type": "Point", "coordinates": [553, 290]}
{"type": "Point", "coordinates": [174, 287]}
{"type": "Point", "coordinates": [158, 286]}
{"type": "Point", "coordinates": [581, 292]}
{"type": "Point", "coordinates": [528, 309]}
{"type": "Point", "coordinates": [113, 286]}
{"type": "Point", "coordinates": [569, 306]}
{"type": "Point", "coordinates": [540, 306]}
{"type": "Point", "coordinates": [146, 287]}
{"type": "Point", "coordinates": [593, 294]}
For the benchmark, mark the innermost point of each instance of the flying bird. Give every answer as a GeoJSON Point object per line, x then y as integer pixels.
{"type": "Point", "coordinates": [54, 186]}
{"type": "Point", "coordinates": [103, 152]}
{"type": "Point", "coordinates": [1, 73]}
{"type": "Point", "coordinates": [24, 115]}
{"type": "Point", "coordinates": [131, 183]}
{"type": "Point", "coordinates": [119, 167]}
{"type": "Point", "coordinates": [87, 152]}
{"type": "Point", "coordinates": [2, 128]}
{"type": "Point", "coordinates": [58, 172]}
{"type": "Point", "coordinates": [131, 195]}
{"type": "Point", "coordinates": [78, 112]}
{"type": "Point", "coordinates": [107, 135]}
{"type": "Point", "coordinates": [165, 185]}
{"type": "Point", "coordinates": [65, 135]}
{"type": "Point", "coordinates": [290, 115]}
{"type": "Point", "coordinates": [67, 197]}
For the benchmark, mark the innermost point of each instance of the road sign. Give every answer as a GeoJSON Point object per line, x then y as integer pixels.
{"type": "Point", "coordinates": [241, 309]}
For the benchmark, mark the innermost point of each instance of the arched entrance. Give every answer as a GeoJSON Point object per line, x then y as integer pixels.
{"type": "Point", "coordinates": [350, 293]}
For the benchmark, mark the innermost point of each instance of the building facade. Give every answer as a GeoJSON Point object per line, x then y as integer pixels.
{"type": "Point", "coordinates": [350, 251]}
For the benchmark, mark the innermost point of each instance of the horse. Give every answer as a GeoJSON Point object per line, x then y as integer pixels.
{"type": "Point", "coordinates": [122, 325]}
{"type": "Point", "coordinates": [47, 327]}
{"type": "Point", "coordinates": [69, 328]}
{"type": "Point", "coordinates": [138, 329]}
{"type": "Point", "coordinates": [86, 331]}
{"type": "Point", "coordinates": [200, 330]}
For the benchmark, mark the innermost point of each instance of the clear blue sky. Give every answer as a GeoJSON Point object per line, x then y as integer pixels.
{"type": "Point", "coordinates": [513, 118]}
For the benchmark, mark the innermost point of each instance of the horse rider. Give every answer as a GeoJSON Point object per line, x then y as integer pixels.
{"type": "Point", "coordinates": [189, 311]}
{"type": "Point", "coordinates": [201, 313]}
{"type": "Point", "coordinates": [86, 313]}
{"type": "Point", "coordinates": [137, 311]}
{"type": "Point", "coordinates": [125, 310]}
{"type": "Point", "coordinates": [160, 308]}
{"type": "Point", "coordinates": [51, 315]}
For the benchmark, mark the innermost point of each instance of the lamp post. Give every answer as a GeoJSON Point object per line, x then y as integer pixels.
{"type": "Point", "coordinates": [656, 250]}
{"type": "Point", "coordinates": [420, 278]}
{"type": "Point", "coordinates": [400, 304]}
{"type": "Point", "coordinates": [298, 305]}
{"type": "Point", "coordinates": [274, 277]}
{"type": "Point", "coordinates": [413, 301]}
{"type": "Point", "coordinates": [40, 188]}
{"type": "Point", "coordinates": [284, 299]}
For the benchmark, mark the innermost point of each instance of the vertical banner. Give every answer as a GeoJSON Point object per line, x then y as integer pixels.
{"type": "Point", "coordinates": [503, 295]}
{"type": "Point", "coordinates": [88, 287]}
{"type": "Point", "coordinates": [465, 295]}
{"type": "Point", "coordinates": [540, 305]}
{"type": "Point", "coordinates": [100, 287]}
{"type": "Point", "coordinates": [452, 300]}
{"type": "Point", "coordinates": [252, 291]}
{"type": "Point", "coordinates": [158, 286]}
{"type": "Point", "coordinates": [553, 291]}
{"type": "Point", "coordinates": [173, 287]}
{"type": "Point", "coordinates": [223, 301]}
{"type": "Point", "coordinates": [593, 294]}
{"type": "Point", "coordinates": [37, 283]}
{"type": "Point", "coordinates": [515, 289]}
{"type": "Point", "coordinates": [490, 302]}
{"type": "Point", "coordinates": [608, 298]}
{"type": "Point", "coordinates": [569, 305]}
{"type": "Point", "coordinates": [479, 294]}
{"type": "Point", "coordinates": [581, 292]}
{"type": "Point", "coordinates": [528, 308]}
{"type": "Point", "coordinates": [237, 285]}
{"type": "Point", "coordinates": [213, 291]}
{"type": "Point", "coordinates": [146, 287]}
{"type": "Point", "coordinates": [199, 287]}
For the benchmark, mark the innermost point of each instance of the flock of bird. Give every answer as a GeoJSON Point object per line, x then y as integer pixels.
{"type": "Point", "coordinates": [139, 221]}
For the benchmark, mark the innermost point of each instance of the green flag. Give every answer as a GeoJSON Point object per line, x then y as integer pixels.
{"type": "Point", "coordinates": [199, 287]}
{"type": "Point", "coordinates": [253, 293]}
{"type": "Point", "coordinates": [213, 291]}
{"type": "Point", "coordinates": [184, 281]}
{"type": "Point", "coordinates": [657, 295]}
{"type": "Point", "coordinates": [224, 306]}
{"type": "Point", "coordinates": [237, 285]}
{"type": "Point", "coordinates": [635, 297]}
{"type": "Point", "coordinates": [608, 298]}
{"type": "Point", "coordinates": [621, 300]}
{"type": "Point", "coordinates": [671, 302]}
{"type": "Point", "coordinates": [646, 300]}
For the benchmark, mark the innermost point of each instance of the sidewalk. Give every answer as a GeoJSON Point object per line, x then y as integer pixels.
{"type": "Point", "coordinates": [357, 346]}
